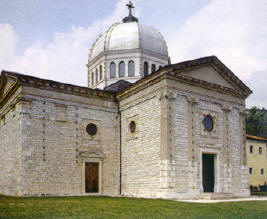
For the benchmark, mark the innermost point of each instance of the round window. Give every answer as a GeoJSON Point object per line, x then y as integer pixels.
{"type": "Point", "coordinates": [208, 123]}
{"type": "Point", "coordinates": [132, 126]}
{"type": "Point", "coordinates": [91, 129]}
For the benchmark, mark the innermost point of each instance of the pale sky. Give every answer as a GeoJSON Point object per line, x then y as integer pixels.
{"type": "Point", "coordinates": [52, 38]}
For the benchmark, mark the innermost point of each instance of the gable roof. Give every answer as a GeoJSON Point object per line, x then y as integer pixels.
{"type": "Point", "coordinates": [118, 86]}
{"type": "Point", "coordinates": [174, 72]}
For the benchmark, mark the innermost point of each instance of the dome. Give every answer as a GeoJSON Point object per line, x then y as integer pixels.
{"type": "Point", "coordinates": [129, 35]}
{"type": "Point", "coordinates": [127, 51]}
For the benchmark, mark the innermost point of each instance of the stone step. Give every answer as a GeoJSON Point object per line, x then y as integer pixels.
{"type": "Point", "coordinates": [215, 196]}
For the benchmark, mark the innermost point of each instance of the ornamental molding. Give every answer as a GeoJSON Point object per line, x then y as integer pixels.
{"type": "Point", "coordinates": [25, 80]}
{"type": "Point", "coordinates": [90, 154]}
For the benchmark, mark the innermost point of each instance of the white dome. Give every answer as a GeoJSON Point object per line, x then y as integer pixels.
{"type": "Point", "coordinates": [129, 35]}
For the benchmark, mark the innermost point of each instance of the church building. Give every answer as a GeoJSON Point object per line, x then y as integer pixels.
{"type": "Point", "coordinates": [142, 128]}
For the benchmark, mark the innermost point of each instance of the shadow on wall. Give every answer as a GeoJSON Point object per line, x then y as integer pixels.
{"type": "Point", "coordinates": [260, 188]}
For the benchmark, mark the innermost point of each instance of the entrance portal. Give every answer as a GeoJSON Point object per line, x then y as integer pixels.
{"type": "Point", "coordinates": [91, 177]}
{"type": "Point", "coordinates": [208, 163]}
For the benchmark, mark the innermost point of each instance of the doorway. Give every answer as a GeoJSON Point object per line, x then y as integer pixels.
{"type": "Point", "coordinates": [208, 168]}
{"type": "Point", "coordinates": [91, 177]}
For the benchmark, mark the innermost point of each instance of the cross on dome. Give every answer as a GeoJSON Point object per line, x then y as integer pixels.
{"type": "Point", "coordinates": [130, 17]}
{"type": "Point", "coordinates": [130, 7]}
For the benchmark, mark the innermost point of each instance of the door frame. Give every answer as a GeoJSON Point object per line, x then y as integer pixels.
{"type": "Point", "coordinates": [217, 157]}
{"type": "Point", "coordinates": [92, 160]}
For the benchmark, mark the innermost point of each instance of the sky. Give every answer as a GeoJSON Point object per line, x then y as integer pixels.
{"type": "Point", "coordinates": [52, 38]}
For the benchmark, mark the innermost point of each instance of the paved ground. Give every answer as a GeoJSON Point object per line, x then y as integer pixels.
{"type": "Point", "coordinates": [253, 198]}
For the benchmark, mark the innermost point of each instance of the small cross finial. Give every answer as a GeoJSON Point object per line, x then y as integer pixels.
{"type": "Point", "coordinates": [130, 7]}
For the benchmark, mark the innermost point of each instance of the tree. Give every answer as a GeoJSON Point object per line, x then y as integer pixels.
{"type": "Point", "coordinates": [255, 121]}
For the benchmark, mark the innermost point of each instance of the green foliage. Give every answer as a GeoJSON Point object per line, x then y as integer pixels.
{"type": "Point", "coordinates": [255, 122]}
{"type": "Point", "coordinates": [107, 207]}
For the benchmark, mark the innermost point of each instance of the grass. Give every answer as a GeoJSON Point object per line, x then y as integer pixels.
{"type": "Point", "coordinates": [106, 207]}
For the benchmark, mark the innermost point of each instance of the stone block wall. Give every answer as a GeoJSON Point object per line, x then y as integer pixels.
{"type": "Point", "coordinates": [10, 151]}
{"type": "Point", "coordinates": [191, 140]}
{"type": "Point", "coordinates": [140, 151]}
{"type": "Point", "coordinates": [54, 142]}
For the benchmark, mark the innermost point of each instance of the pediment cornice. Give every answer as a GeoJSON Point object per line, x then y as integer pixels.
{"type": "Point", "coordinates": [173, 72]}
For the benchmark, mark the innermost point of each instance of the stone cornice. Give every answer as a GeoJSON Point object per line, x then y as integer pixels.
{"type": "Point", "coordinates": [172, 72]}
{"type": "Point", "coordinates": [214, 62]}
{"type": "Point", "coordinates": [24, 80]}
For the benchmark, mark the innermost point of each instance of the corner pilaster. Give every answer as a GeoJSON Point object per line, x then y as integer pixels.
{"type": "Point", "coordinates": [167, 166]}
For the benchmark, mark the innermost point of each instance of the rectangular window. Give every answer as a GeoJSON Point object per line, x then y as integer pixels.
{"type": "Point", "coordinates": [251, 149]}
{"type": "Point", "coordinates": [260, 150]}
{"type": "Point", "coordinates": [262, 171]}
{"type": "Point", "coordinates": [250, 170]}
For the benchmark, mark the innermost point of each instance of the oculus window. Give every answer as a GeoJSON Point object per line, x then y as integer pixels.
{"type": "Point", "coordinates": [91, 129]}
{"type": "Point", "coordinates": [132, 127]}
{"type": "Point", "coordinates": [208, 123]}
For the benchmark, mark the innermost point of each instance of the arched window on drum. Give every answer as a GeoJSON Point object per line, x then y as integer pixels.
{"type": "Point", "coordinates": [153, 68]}
{"type": "Point", "coordinates": [92, 78]}
{"type": "Point", "coordinates": [112, 70]}
{"type": "Point", "coordinates": [122, 69]}
{"type": "Point", "coordinates": [131, 68]}
{"type": "Point", "coordinates": [96, 75]}
{"type": "Point", "coordinates": [145, 69]}
{"type": "Point", "coordinates": [100, 72]}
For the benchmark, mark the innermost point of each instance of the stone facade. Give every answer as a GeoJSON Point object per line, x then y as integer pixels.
{"type": "Point", "coordinates": [10, 149]}
{"type": "Point", "coordinates": [44, 142]}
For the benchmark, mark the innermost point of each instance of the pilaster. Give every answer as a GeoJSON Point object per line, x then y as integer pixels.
{"type": "Point", "coordinates": [167, 166]}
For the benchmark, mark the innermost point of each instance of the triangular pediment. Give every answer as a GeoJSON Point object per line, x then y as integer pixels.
{"type": "Point", "coordinates": [7, 83]}
{"type": "Point", "coordinates": [208, 74]}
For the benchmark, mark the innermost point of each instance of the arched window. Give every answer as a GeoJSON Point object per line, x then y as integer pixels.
{"type": "Point", "coordinates": [92, 79]}
{"type": "Point", "coordinates": [145, 69]}
{"type": "Point", "coordinates": [131, 68]}
{"type": "Point", "coordinates": [112, 70]}
{"type": "Point", "coordinates": [122, 69]}
{"type": "Point", "coordinates": [100, 72]}
{"type": "Point", "coordinates": [96, 76]}
{"type": "Point", "coordinates": [153, 68]}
